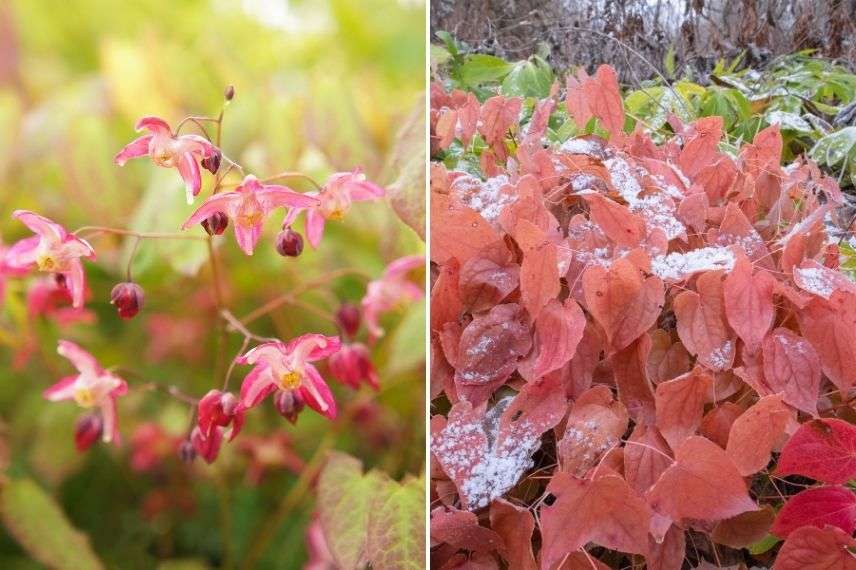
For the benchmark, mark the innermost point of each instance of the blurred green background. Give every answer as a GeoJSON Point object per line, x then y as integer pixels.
{"type": "Point", "coordinates": [322, 86]}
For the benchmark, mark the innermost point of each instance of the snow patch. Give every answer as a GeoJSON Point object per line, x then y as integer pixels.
{"type": "Point", "coordinates": [678, 266]}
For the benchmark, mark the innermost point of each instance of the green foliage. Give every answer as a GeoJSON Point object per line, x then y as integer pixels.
{"type": "Point", "coordinates": [368, 518]}
{"type": "Point", "coordinates": [41, 527]}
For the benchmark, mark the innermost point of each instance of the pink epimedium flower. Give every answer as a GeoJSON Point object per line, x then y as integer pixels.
{"type": "Point", "coordinates": [352, 366]}
{"type": "Point", "coordinates": [390, 291]}
{"type": "Point", "coordinates": [248, 206]}
{"type": "Point", "coordinates": [335, 199]}
{"type": "Point", "coordinates": [281, 366]}
{"type": "Point", "coordinates": [165, 149]}
{"type": "Point", "coordinates": [92, 387]}
{"type": "Point", "coordinates": [51, 299]}
{"type": "Point", "coordinates": [52, 250]}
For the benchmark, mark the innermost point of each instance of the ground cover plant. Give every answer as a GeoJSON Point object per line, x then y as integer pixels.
{"type": "Point", "coordinates": [211, 320]}
{"type": "Point", "coordinates": [641, 338]}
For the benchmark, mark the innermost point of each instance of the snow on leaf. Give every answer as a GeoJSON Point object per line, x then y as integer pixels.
{"type": "Point", "coordinates": [821, 281]}
{"type": "Point", "coordinates": [823, 449]}
{"type": "Point", "coordinates": [702, 483]}
{"type": "Point", "coordinates": [819, 506]}
{"type": "Point", "coordinates": [485, 283]}
{"type": "Point", "coordinates": [678, 266]}
{"type": "Point", "coordinates": [701, 322]}
{"type": "Point", "coordinates": [457, 231]}
{"type": "Point", "coordinates": [491, 345]}
{"type": "Point", "coordinates": [594, 426]}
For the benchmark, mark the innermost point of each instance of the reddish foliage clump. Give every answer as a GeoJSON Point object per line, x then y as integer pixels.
{"type": "Point", "coordinates": [634, 346]}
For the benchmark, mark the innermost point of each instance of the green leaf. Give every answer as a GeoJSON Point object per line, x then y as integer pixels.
{"type": "Point", "coordinates": [396, 534]}
{"type": "Point", "coordinates": [528, 78]}
{"type": "Point", "coordinates": [42, 529]}
{"type": "Point", "coordinates": [481, 68]}
{"type": "Point", "coordinates": [409, 332]}
{"type": "Point", "coordinates": [669, 62]}
{"type": "Point", "coordinates": [345, 496]}
{"type": "Point", "coordinates": [832, 148]}
{"type": "Point", "coordinates": [407, 162]}
{"type": "Point", "coordinates": [764, 544]}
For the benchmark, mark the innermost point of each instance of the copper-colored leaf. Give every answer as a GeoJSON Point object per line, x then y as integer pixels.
{"type": "Point", "coordinates": [756, 433]}
{"type": "Point", "coordinates": [680, 405]}
{"type": "Point", "coordinates": [823, 449]}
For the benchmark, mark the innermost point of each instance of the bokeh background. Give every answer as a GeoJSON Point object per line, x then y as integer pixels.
{"type": "Point", "coordinates": [322, 86]}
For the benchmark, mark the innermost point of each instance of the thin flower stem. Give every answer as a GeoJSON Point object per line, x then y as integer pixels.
{"type": "Point", "coordinates": [141, 235]}
{"type": "Point", "coordinates": [232, 364]}
{"type": "Point", "coordinates": [238, 326]}
{"type": "Point", "coordinates": [131, 258]}
{"type": "Point", "coordinates": [170, 390]}
{"type": "Point", "coordinates": [291, 296]}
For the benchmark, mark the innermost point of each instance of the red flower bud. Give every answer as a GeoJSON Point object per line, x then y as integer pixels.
{"type": "Point", "coordinates": [348, 319]}
{"type": "Point", "coordinates": [88, 430]}
{"type": "Point", "coordinates": [186, 452]}
{"type": "Point", "coordinates": [229, 92]}
{"type": "Point", "coordinates": [212, 163]}
{"type": "Point", "coordinates": [128, 298]}
{"type": "Point", "coordinates": [289, 404]}
{"type": "Point", "coordinates": [207, 447]}
{"type": "Point", "coordinates": [352, 365]}
{"type": "Point", "coordinates": [215, 224]}
{"type": "Point", "coordinates": [289, 243]}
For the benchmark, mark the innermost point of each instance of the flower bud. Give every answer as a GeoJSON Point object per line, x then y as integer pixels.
{"type": "Point", "coordinates": [352, 365]}
{"type": "Point", "coordinates": [186, 452]}
{"type": "Point", "coordinates": [88, 431]}
{"type": "Point", "coordinates": [212, 163]}
{"type": "Point", "coordinates": [215, 224]}
{"type": "Point", "coordinates": [348, 319]}
{"type": "Point", "coordinates": [289, 243]}
{"type": "Point", "coordinates": [289, 404]}
{"type": "Point", "coordinates": [229, 92]}
{"type": "Point", "coordinates": [228, 403]}
{"type": "Point", "coordinates": [128, 298]}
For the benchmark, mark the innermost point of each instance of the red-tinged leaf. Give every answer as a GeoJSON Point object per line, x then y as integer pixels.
{"type": "Point", "coordinates": [631, 378]}
{"type": "Point", "coordinates": [830, 327]}
{"type": "Point", "coordinates": [558, 330]}
{"type": "Point", "coordinates": [703, 483]}
{"type": "Point", "coordinates": [515, 525]}
{"type": "Point", "coordinates": [717, 179]}
{"type": "Point", "coordinates": [701, 322]}
{"type": "Point", "coordinates": [484, 283]}
{"type": "Point", "coordinates": [736, 230]}
{"type": "Point", "coordinates": [485, 454]}
{"type": "Point", "coordinates": [468, 118]}
{"type": "Point", "coordinates": [445, 126]}
{"type": "Point", "coordinates": [692, 212]}
{"type": "Point", "coordinates": [668, 554]}
{"type": "Point", "coordinates": [749, 303]}
{"type": "Point", "coordinates": [716, 424]}
{"type": "Point", "coordinates": [576, 100]}
{"type": "Point", "coordinates": [701, 148]}
{"type": "Point", "coordinates": [538, 123]}
{"type": "Point", "coordinates": [605, 511]}
{"type": "Point", "coordinates": [457, 231]}
{"type": "Point", "coordinates": [445, 299]}
{"type": "Point", "coordinates": [792, 368]}
{"type": "Point", "coordinates": [680, 405]}
{"type": "Point", "coordinates": [622, 302]}
{"type": "Point", "coordinates": [579, 372]}
{"type": "Point", "coordinates": [818, 280]}
{"type": "Point", "coordinates": [646, 456]}
{"type": "Point", "coordinates": [595, 425]}
{"type": "Point", "coordinates": [539, 272]}
{"type": "Point", "coordinates": [811, 548]}
{"type": "Point", "coordinates": [461, 529]}
{"type": "Point", "coordinates": [820, 506]}
{"type": "Point", "coordinates": [472, 561]}
{"type": "Point", "coordinates": [498, 115]}
{"type": "Point", "coordinates": [824, 450]}
{"type": "Point", "coordinates": [617, 221]}
{"type": "Point", "coordinates": [667, 359]}
{"type": "Point", "coordinates": [604, 100]}
{"type": "Point", "coordinates": [491, 345]}
{"type": "Point", "coordinates": [756, 433]}
{"type": "Point", "coordinates": [744, 529]}
{"type": "Point", "coordinates": [582, 560]}
{"type": "Point", "coordinates": [765, 150]}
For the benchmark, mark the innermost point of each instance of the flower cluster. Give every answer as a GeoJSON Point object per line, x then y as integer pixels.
{"type": "Point", "coordinates": [285, 370]}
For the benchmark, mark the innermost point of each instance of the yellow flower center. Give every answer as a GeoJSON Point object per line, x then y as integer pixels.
{"type": "Point", "coordinates": [249, 219]}
{"type": "Point", "coordinates": [336, 215]}
{"type": "Point", "coordinates": [46, 262]}
{"type": "Point", "coordinates": [290, 380]}
{"type": "Point", "coordinates": [164, 157]}
{"type": "Point", "coordinates": [84, 397]}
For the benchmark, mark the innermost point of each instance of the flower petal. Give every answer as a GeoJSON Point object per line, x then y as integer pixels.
{"type": "Point", "coordinates": [40, 225]}
{"type": "Point", "coordinates": [313, 346]}
{"type": "Point", "coordinates": [267, 352]}
{"type": "Point", "coordinates": [75, 280]}
{"type": "Point", "coordinates": [248, 236]}
{"type": "Point", "coordinates": [136, 148]}
{"type": "Point", "coordinates": [189, 170]}
{"type": "Point", "coordinates": [197, 145]}
{"type": "Point", "coordinates": [314, 226]}
{"type": "Point", "coordinates": [82, 360]}
{"type": "Point", "coordinates": [222, 202]}
{"type": "Point", "coordinates": [402, 265]}
{"type": "Point", "coordinates": [154, 124]}
{"type": "Point", "coordinates": [257, 385]}
{"type": "Point", "coordinates": [111, 423]}
{"type": "Point", "coordinates": [317, 394]}
{"type": "Point", "coordinates": [22, 254]}
{"type": "Point", "coordinates": [62, 390]}
{"type": "Point", "coordinates": [364, 190]}
{"type": "Point", "coordinates": [272, 196]}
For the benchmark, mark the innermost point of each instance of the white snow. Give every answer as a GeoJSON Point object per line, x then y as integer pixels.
{"type": "Point", "coordinates": [677, 266]}
{"type": "Point", "coordinates": [487, 198]}
{"type": "Point", "coordinates": [815, 280]}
